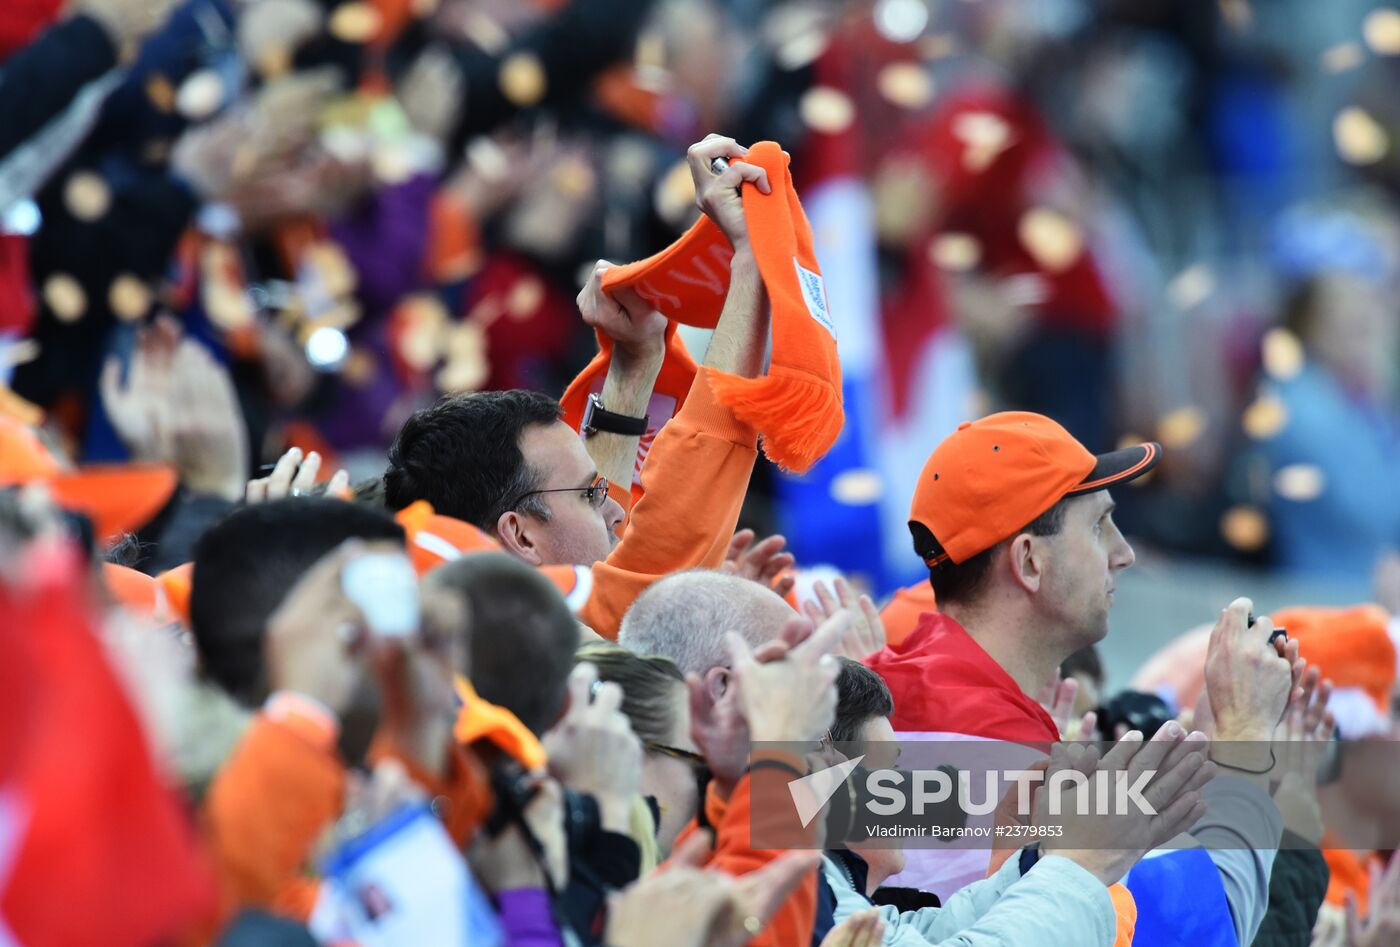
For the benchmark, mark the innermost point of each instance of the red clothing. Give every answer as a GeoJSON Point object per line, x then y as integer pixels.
{"type": "Point", "coordinates": [943, 682]}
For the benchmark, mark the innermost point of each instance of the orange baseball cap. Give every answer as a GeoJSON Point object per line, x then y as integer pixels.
{"type": "Point", "coordinates": [991, 477]}
{"type": "Point", "coordinates": [118, 498]}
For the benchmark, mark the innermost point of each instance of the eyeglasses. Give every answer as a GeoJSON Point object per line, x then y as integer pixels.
{"type": "Point", "coordinates": [596, 494]}
{"type": "Point", "coordinates": [694, 759]}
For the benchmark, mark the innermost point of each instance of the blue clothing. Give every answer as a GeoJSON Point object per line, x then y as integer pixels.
{"type": "Point", "coordinates": [1356, 447]}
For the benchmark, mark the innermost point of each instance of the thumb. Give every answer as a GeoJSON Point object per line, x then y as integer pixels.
{"type": "Point", "coordinates": [1353, 920]}
{"type": "Point", "coordinates": [690, 852]}
{"type": "Point", "coordinates": [771, 884]}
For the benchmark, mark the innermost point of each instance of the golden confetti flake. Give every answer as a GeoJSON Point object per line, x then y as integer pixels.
{"type": "Point", "coordinates": [226, 307]}
{"type": "Point", "coordinates": [526, 296]}
{"type": "Point", "coordinates": [361, 367]}
{"type": "Point", "coordinates": [1359, 138]}
{"type": "Point", "coordinates": [274, 62]}
{"type": "Point", "coordinates": [859, 487]}
{"type": "Point", "coordinates": [160, 92]}
{"type": "Point", "coordinates": [1300, 483]}
{"type": "Point", "coordinates": [356, 23]}
{"type": "Point", "coordinates": [65, 297]}
{"type": "Point", "coordinates": [984, 136]}
{"type": "Point", "coordinates": [1265, 417]}
{"type": "Point", "coordinates": [675, 195]}
{"type": "Point", "coordinates": [1343, 57]}
{"type": "Point", "coordinates": [466, 368]}
{"type": "Point", "coordinates": [801, 50]}
{"type": "Point", "coordinates": [826, 110]}
{"type": "Point", "coordinates": [87, 196]}
{"type": "Point", "coordinates": [938, 46]}
{"type": "Point", "coordinates": [522, 78]}
{"type": "Point", "coordinates": [337, 275]}
{"type": "Point", "coordinates": [1237, 14]}
{"type": "Point", "coordinates": [392, 164]}
{"type": "Point", "coordinates": [488, 159]}
{"type": "Point", "coordinates": [423, 339]}
{"type": "Point", "coordinates": [1052, 238]}
{"type": "Point", "coordinates": [129, 297]}
{"type": "Point", "coordinates": [1245, 528]}
{"type": "Point", "coordinates": [1381, 29]}
{"type": "Point", "coordinates": [485, 32]}
{"type": "Point", "coordinates": [1191, 287]}
{"type": "Point", "coordinates": [1282, 354]}
{"type": "Point", "coordinates": [906, 84]}
{"type": "Point", "coordinates": [1180, 428]}
{"type": "Point", "coordinates": [573, 177]}
{"type": "Point", "coordinates": [957, 252]}
{"type": "Point", "coordinates": [200, 95]}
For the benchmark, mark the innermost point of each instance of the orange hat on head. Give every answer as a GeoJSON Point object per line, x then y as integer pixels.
{"type": "Point", "coordinates": [175, 585]}
{"type": "Point", "coordinates": [1353, 647]}
{"type": "Point", "coordinates": [434, 539]}
{"type": "Point", "coordinates": [991, 477]}
{"type": "Point", "coordinates": [796, 406]}
{"type": "Point", "coordinates": [481, 720]}
{"type": "Point", "coordinates": [136, 591]}
{"type": "Point", "coordinates": [118, 498]}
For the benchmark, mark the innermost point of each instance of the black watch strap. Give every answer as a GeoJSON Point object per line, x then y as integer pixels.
{"type": "Point", "coordinates": [598, 418]}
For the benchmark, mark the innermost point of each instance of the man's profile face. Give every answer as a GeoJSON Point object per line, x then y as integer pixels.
{"type": "Point", "coordinates": [1082, 566]}
{"type": "Point", "coordinates": [576, 533]}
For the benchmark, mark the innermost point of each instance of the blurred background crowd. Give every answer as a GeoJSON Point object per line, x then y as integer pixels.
{"type": "Point", "coordinates": [1147, 219]}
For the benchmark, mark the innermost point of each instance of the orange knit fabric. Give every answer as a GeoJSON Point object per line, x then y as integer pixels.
{"type": "Point", "coordinates": [797, 405]}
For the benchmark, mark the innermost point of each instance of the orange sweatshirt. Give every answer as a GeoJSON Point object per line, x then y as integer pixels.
{"type": "Point", "coordinates": [734, 853]}
{"type": "Point", "coordinates": [284, 786]}
{"type": "Point", "coordinates": [695, 478]}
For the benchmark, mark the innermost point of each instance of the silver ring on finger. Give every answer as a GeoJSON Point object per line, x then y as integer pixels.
{"type": "Point", "coordinates": [297, 492]}
{"type": "Point", "coordinates": [719, 165]}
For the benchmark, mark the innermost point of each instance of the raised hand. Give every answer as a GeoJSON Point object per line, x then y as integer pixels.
{"type": "Point", "coordinates": [793, 698]}
{"type": "Point", "coordinates": [717, 191]}
{"type": "Point", "coordinates": [593, 750]}
{"type": "Point", "coordinates": [1108, 846]}
{"type": "Point", "coordinates": [178, 405]}
{"type": "Point", "coordinates": [1249, 683]}
{"type": "Point", "coordinates": [294, 475]}
{"type": "Point", "coordinates": [862, 929]}
{"type": "Point", "coordinates": [866, 634]}
{"type": "Point", "coordinates": [637, 330]}
{"type": "Point", "coordinates": [1382, 925]}
{"type": "Point", "coordinates": [763, 562]}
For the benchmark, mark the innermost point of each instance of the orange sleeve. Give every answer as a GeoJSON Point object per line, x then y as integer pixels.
{"type": "Point", "coordinates": [275, 795]}
{"type": "Point", "coordinates": [1126, 909]}
{"type": "Point", "coordinates": [695, 478]}
{"type": "Point", "coordinates": [462, 800]}
{"type": "Point", "coordinates": [796, 917]}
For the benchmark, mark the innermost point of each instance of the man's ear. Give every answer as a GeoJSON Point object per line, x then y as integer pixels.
{"type": "Point", "coordinates": [513, 531]}
{"type": "Point", "coordinates": [716, 681]}
{"type": "Point", "coordinates": [1026, 562]}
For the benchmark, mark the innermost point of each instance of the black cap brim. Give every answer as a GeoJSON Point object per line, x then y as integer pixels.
{"type": "Point", "coordinates": [1119, 466]}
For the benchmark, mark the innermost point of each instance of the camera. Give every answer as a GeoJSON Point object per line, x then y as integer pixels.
{"type": "Point", "coordinates": [1134, 710]}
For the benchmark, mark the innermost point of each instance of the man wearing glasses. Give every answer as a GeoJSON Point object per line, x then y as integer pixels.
{"type": "Point", "coordinates": [505, 462]}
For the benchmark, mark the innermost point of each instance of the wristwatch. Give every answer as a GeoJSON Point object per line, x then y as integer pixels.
{"type": "Point", "coordinates": [598, 418]}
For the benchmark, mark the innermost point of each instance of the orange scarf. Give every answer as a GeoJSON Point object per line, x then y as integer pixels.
{"type": "Point", "coordinates": [797, 405]}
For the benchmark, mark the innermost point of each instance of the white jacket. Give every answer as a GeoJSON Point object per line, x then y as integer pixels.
{"type": "Point", "coordinates": [1056, 903]}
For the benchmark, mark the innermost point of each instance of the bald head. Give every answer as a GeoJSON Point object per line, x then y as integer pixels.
{"type": "Point", "coordinates": [684, 617]}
